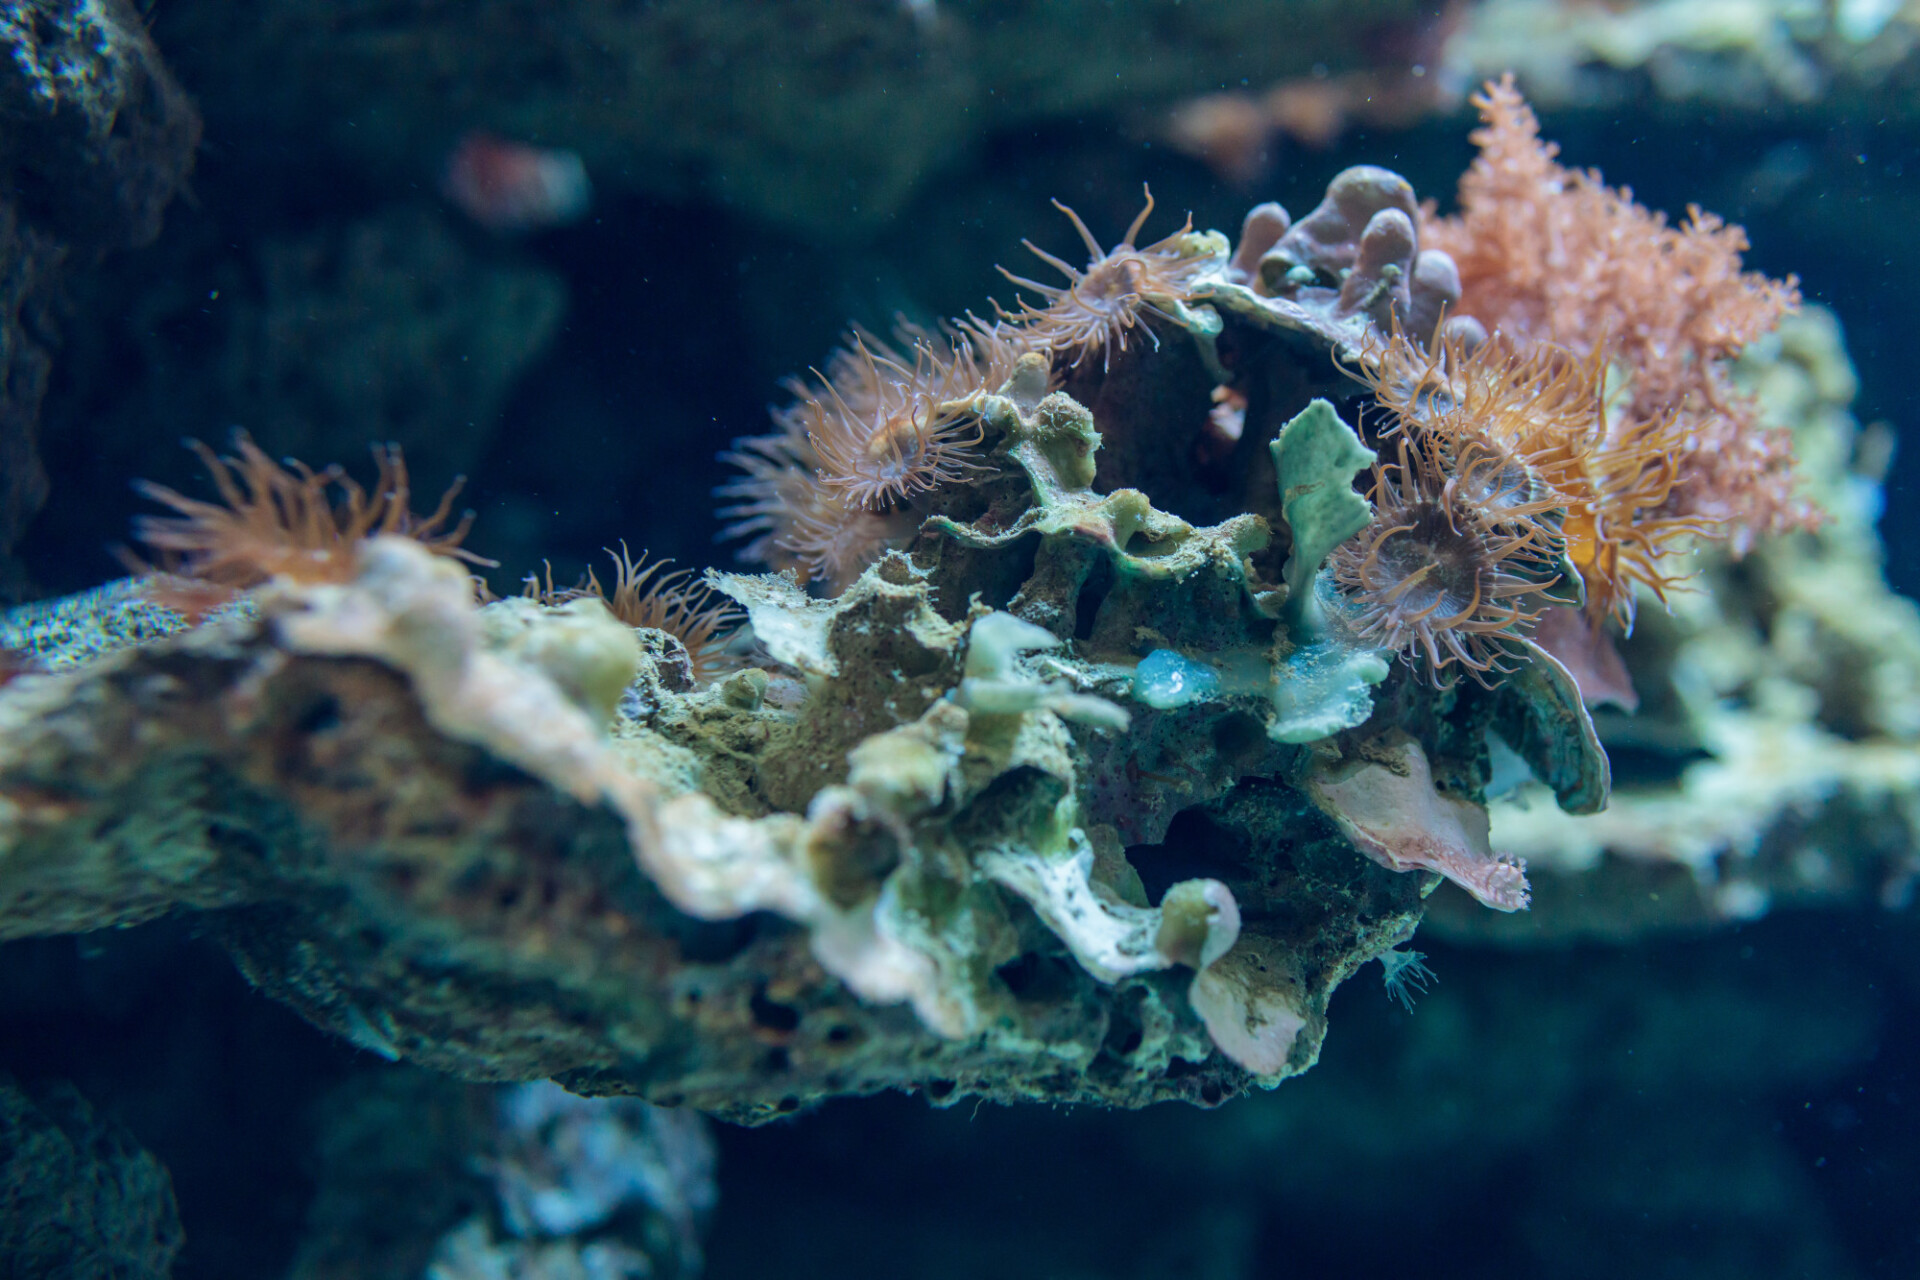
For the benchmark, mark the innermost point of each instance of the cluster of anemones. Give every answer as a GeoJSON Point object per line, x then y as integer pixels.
{"type": "Point", "coordinates": [1605, 389]}
{"type": "Point", "coordinates": [1511, 463]}
{"type": "Point", "coordinates": [852, 459]}
{"type": "Point", "coordinates": [1547, 253]}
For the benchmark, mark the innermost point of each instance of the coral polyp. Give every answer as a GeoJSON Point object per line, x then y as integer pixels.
{"type": "Point", "coordinates": [1431, 577]}
{"type": "Point", "coordinates": [1098, 307]}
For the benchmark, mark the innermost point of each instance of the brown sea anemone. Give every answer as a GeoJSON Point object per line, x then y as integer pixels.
{"type": "Point", "coordinates": [838, 478]}
{"type": "Point", "coordinates": [1430, 578]}
{"type": "Point", "coordinates": [1098, 307]}
{"type": "Point", "coordinates": [285, 520]}
{"type": "Point", "coordinates": [659, 599]}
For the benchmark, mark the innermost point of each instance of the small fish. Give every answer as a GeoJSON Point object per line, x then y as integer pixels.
{"type": "Point", "coordinates": [511, 187]}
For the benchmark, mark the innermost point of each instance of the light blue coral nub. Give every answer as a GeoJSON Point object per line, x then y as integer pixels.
{"type": "Point", "coordinates": [1165, 680]}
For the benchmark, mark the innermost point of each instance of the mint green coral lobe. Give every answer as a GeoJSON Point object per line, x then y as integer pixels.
{"type": "Point", "coordinates": [1324, 685]}
{"type": "Point", "coordinates": [1316, 456]}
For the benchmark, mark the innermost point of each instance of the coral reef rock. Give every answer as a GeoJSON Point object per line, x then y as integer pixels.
{"type": "Point", "coordinates": [1133, 670]}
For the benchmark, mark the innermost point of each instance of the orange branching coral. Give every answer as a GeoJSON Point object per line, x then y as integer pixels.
{"type": "Point", "coordinates": [285, 520]}
{"type": "Point", "coordinates": [1552, 254]}
{"type": "Point", "coordinates": [1431, 577]}
{"type": "Point", "coordinates": [648, 595]}
{"type": "Point", "coordinates": [1099, 306]}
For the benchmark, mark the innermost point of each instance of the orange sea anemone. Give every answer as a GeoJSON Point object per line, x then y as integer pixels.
{"type": "Point", "coordinates": [1431, 579]}
{"type": "Point", "coordinates": [1522, 430]}
{"type": "Point", "coordinates": [285, 520]}
{"type": "Point", "coordinates": [1099, 306]}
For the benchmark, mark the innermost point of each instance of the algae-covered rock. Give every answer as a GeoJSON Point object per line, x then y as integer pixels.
{"type": "Point", "coordinates": [96, 137]}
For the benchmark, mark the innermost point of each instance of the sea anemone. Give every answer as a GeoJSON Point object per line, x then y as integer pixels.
{"type": "Point", "coordinates": [648, 595]}
{"type": "Point", "coordinates": [1522, 431]}
{"type": "Point", "coordinates": [884, 430]}
{"type": "Point", "coordinates": [836, 480]}
{"type": "Point", "coordinates": [1430, 577]}
{"type": "Point", "coordinates": [285, 520]}
{"type": "Point", "coordinates": [1098, 306]}
{"type": "Point", "coordinates": [1625, 536]}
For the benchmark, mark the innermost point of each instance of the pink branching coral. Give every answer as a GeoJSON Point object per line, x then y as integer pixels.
{"type": "Point", "coordinates": [1550, 254]}
{"type": "Point", "coordinates": [1098, 307]}
{"type": "Point", "coordinates": [287, 521]}
{"type": "Point", "coordinates": [1432, 575]}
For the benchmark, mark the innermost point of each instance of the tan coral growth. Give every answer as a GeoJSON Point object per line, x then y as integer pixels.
{"type": "Point", "coordinates": [285, 520]}
{"type": "Point", "coordinates": [1552, 254]}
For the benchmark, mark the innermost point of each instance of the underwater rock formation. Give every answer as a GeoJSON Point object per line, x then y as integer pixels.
{"type": "Point", "coordinates": [81, 1197]}
{"type": "Point", "coordinates": [1135, 667]}
{"type": "Point", "coordinates": [95, 139]}
{"type": "Point", "coordinates": [825, 116]}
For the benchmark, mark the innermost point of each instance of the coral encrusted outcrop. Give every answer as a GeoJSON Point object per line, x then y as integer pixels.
{"type": "Point", "coordinates": [1132, 669]}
